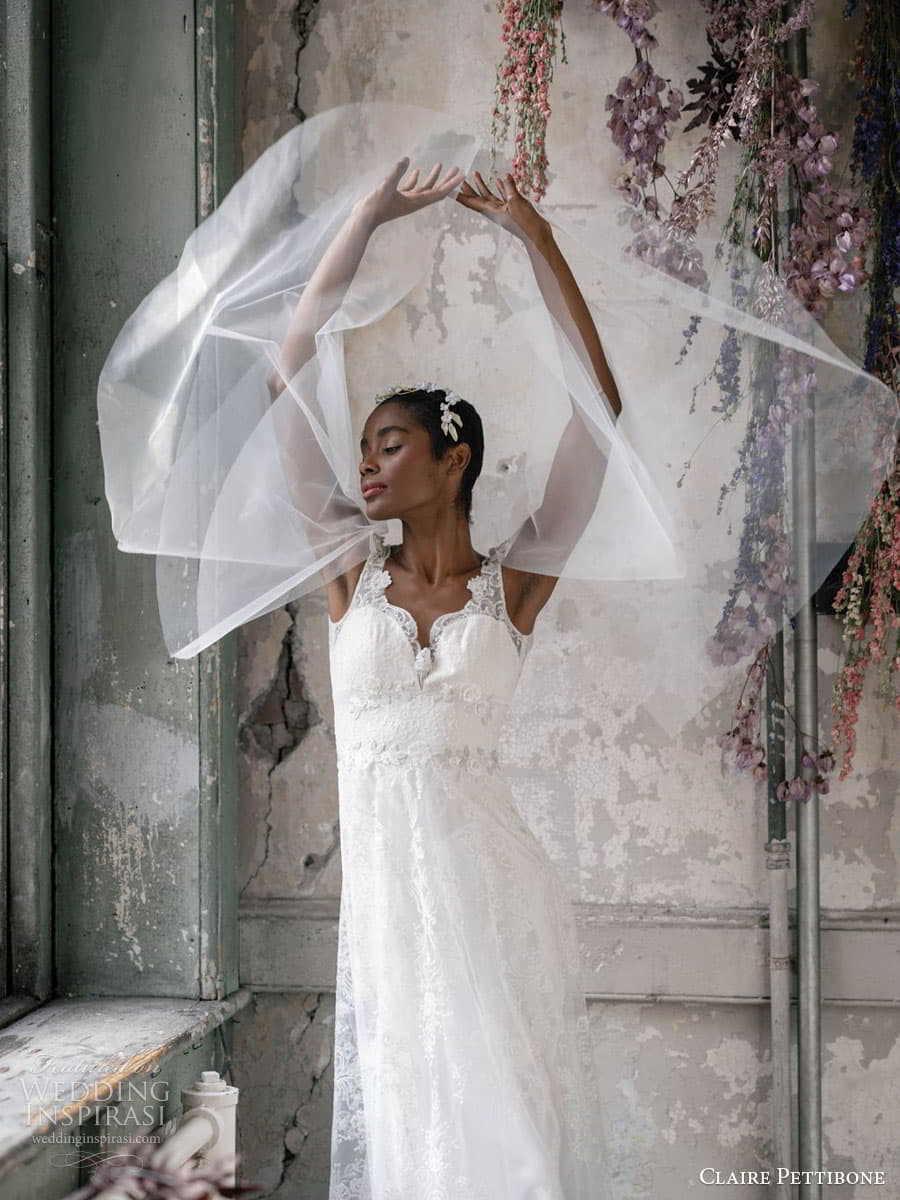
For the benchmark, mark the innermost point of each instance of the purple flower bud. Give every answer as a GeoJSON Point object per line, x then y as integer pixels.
{"type": "Point", "coordinates": [640, 72]}
{"type": "Point", "coordinates": [798, 789]}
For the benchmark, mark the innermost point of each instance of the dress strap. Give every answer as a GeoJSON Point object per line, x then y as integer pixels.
{"type": "Point", "coordinates": [501, 550]}
{"type": "Point", "coordinates": [490, 595]}
{"type": "Point", "coordinates": [367, 584]}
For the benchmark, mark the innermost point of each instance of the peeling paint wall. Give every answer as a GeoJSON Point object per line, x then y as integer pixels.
{"type": "Point", "coordinates": [656, 827]}
{"type": "Point", "coordinates": [289, 836]}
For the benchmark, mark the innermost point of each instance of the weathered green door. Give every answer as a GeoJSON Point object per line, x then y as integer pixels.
{"type": "Point", "coordinates": [135, 756]}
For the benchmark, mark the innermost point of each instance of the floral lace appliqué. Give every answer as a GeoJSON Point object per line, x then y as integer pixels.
{"type": "Point", "coordinates": [375, 695]}
{"type": "Point", "coordinates": [474, 759]}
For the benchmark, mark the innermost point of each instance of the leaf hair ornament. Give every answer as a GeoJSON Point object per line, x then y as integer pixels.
{"type": "Point", "coordinates": [448, 416]}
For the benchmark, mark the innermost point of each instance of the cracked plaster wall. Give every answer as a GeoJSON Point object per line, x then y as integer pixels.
{"type": "Point", "coordinates": [654, 824]}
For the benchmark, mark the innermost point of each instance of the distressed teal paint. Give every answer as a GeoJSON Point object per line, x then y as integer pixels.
{"type": "Point", "coordinates": [27, 615]}
{"type": "Point", "coordinates": [145, 818]}
{"type": "Point", "coordinates": [4, 531]}
{"type": "Point", "coordinates": [216, 169]}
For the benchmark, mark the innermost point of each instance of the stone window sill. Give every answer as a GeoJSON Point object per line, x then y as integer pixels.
{"type": "Point", "coordinates": [61, 1062]}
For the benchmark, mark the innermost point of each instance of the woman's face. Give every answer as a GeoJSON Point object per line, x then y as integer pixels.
{"type": "Point", "coordinates": [397, 465]}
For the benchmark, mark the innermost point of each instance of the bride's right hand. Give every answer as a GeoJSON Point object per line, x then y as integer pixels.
{"type": "Point", "coordinates": [397, 196]}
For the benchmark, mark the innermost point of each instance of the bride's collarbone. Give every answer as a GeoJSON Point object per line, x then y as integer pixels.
{"type": "Point", "coordinates": [522, 604]}
{"type": "Point", "coordinates": [424, 611]}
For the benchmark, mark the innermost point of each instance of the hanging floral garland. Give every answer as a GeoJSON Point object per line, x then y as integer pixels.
{"type": "Point", "coordinates": [869, 599]}
{"type": "Point", "coordinates": [748, 94]}
{"type": "Point", "coordinates": [523, 86]}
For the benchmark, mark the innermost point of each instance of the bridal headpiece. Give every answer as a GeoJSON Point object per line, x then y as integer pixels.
{"type": "Point", "coordinates": [448, 416]}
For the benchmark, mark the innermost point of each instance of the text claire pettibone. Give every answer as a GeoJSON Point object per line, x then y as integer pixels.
{"type": "Point", "coordinates": [785, 1174]}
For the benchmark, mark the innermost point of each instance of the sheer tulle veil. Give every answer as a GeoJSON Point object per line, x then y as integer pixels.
{"type": "Point", "coordinates": [248, 503]}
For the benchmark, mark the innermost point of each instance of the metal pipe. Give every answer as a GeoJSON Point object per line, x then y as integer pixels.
{"type": "Point", "coordinates": [206, 1129]}
{"type": "Point", "coordinates": [778, 867]}
{"type": "Point", "coordinates": [778, 861]}
{"type": "Point", "coordinates": [195, 1134]}
{"type": "Point", "coordinates": [806, 707]}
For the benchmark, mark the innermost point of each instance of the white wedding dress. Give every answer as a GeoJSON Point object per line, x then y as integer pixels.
{"type": "Point", "coordinates": [463, 1063]}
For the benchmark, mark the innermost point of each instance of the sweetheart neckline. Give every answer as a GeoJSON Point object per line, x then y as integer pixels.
{"type": "Point", "coordinates": [454, 612]}
{"type": "Point", "coordinates": [404, 618]}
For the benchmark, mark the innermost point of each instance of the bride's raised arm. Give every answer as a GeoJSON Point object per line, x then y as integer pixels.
{"type": "Point", "coordinates": [308, 474]}
{"type": "Point", "coordinates": [332, 277]}
{"type": "Point", "coordinates": [578, 468]}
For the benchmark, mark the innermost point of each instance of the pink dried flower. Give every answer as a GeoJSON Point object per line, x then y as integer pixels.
{"type": "Point", "coordinates": [523, 87]}
{"type": "Point", "coordinates": [869, 599]}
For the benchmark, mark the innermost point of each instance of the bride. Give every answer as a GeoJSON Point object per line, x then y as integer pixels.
{"type": "Point", "coordinates": [463, 1056]}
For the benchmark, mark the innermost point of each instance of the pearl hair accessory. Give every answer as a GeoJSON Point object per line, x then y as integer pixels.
{"type": "Point", "coordinates": [447, 415]}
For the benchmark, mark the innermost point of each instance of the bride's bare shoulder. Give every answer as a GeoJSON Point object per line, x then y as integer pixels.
{"type": "Point", "coordinates": [339, 591]}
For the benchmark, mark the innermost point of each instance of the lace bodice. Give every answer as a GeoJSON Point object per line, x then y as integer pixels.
{"type": "Point", "coordinates": [396, 701]}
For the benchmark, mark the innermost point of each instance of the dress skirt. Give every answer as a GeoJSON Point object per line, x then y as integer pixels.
{"type": "Point", "coordinates": [463, 1058]}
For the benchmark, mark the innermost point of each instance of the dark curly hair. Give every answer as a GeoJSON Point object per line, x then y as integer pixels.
{"type": "Point", "coordinates": [424, 405]}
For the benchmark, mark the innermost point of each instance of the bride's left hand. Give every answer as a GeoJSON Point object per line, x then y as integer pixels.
{"type": "Point", "coordinates": [511, 209]}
